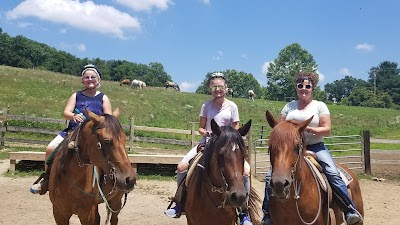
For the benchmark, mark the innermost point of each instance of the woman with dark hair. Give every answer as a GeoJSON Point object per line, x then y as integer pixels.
{"type": "Point", "coordinates": [320, 126]}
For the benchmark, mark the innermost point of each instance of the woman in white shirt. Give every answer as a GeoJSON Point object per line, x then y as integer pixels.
{"type": "Point", "coordinates": [320, 126]}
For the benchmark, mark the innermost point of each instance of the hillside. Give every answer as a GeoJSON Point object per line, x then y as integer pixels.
{"type": "Point", "coordinates": [44, 94]}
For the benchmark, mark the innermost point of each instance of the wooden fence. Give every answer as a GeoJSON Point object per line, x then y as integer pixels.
{"type": "Point", "coordinates": [191, 135]}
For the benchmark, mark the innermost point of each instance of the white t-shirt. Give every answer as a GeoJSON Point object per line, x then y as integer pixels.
{"type": "Point", "coordinates": [225, 116]}
{"type": "Point", "coordinates": [315, 108]}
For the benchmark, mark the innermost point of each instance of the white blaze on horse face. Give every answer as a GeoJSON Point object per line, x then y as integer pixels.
{"type": "Point", "coordinates": [234, 147]}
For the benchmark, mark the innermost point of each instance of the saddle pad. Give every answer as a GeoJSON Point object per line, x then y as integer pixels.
{"type": "Point", "coordinates": [347, 178]}
{"type": "Point", "coordinates": [317, 173]}
{"type": "Point", "coordinates": [192, 167]}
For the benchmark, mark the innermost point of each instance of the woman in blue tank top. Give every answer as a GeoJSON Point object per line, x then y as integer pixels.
{"type": "Point", "coordinates": [74, 111]}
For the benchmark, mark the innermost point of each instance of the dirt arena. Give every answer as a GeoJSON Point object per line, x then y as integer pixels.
{"type": "Point", "coordinates": [146, 203]}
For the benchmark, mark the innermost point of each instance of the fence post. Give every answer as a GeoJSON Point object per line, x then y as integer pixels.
{"type": "Point", "coordinates": [249, 138]}
{"type": "Point", "coordinates": [367, 151]}
{"type": "Point", "coordinates": [131, 133]}
{"type": "Point", "coordinates": [3, 126]}
{"type": "Point", "coordinates": [193, 134]}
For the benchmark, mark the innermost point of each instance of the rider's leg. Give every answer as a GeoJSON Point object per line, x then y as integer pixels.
{"type": "Point", "coordinates": [265, 207]}
{"type": "Point", "coordinates": [244, 218]}
{"type": "Point", "coordinates": [41, 186]}
{"type": "Point", "coordinates": [338, 186]}
{"type": "Point", "coordinates": [181, 171]}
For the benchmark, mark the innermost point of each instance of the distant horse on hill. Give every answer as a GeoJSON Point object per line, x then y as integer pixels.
{"type": "Point", "coordinates": [126, 82]}
{"type": "Point", "coordinates": [138, 84]}
{"type": "Point", "coordinates": [229, 92]}
{"type": "Point", "coordinates": [251, 95]}
{"type": "Point", "coordinates": [169, 84]}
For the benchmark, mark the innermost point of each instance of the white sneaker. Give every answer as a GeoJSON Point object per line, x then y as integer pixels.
{"type": "Point", "coordinates": [172, 212]}
{"type": "Point", "coordinates": [35, 188]}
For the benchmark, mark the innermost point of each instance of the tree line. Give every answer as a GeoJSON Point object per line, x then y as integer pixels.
{"type": "Point", "coordinates": [22, 52]}
{"type": "Point", "coordinates": [381, 90]}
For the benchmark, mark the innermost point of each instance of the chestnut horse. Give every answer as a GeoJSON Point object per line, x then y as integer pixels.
{"type": "Point", "coordinates": [296, 195]}
{"type": "Point", "coordinates": [126, 82]}
{"type": "Point", "coordinates": [90, 167]}
{"type": "Point", "coordinates": [216, 188]}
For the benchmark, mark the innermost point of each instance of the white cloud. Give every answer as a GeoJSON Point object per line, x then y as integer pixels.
{"type": "Point", "coordinates": [345, 72]}
{"type": "Point", "coordinates": [81, 47]}
{"type": "Point", "coordinates": [219, 56]}
{"type": "Point", "coordinates": [321, 76]}
{"type": "Point", "coordinates": [189, 87]}
{"type": "Point", "coordinates": [265, 67]}
{"type": "Point", "coordinates": [365, 47]}
{"type": "Point", "coordinates": [146, 5]}
{"type": "Point", "coordinates": [206, 2]}
{"type": "Point", "coordinates": [24, 24]}
{"type": "Point", "coordinates": [81, 15]}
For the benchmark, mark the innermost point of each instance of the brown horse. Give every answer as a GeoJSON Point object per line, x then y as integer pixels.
{"type": "Point", "coordinates": [216, 188]}
{"type": "Point", "coordinates": [296, 196]}
{"type": "Point", "coordinates": [126, 82]}
{"type": "Point", "coordinates": [95, 151]}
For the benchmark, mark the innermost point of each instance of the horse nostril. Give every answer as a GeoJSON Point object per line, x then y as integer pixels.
{"type": "Point", "coordinates": [287, 183]}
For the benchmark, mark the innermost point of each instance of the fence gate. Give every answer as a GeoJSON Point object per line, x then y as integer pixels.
{"type": "Point", "coordinates": [346, 150]}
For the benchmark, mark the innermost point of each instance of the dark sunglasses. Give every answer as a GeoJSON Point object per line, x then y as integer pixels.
{"type": "Point", "coordinates": [301, 86]}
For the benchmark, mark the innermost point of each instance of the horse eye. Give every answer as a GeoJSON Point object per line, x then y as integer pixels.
{"type": "Point", "coordinates": [108, 141]}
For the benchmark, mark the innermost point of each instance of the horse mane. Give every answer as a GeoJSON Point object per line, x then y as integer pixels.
{"type": "Point", "coordinates": [283, 132]}
{"type": "Point", "coordinates": [228, 137]}
{"type": "Point", "coordinates": [63, 152]}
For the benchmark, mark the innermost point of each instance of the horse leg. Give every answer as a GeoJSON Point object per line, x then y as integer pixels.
{"type": "Point", "coordinates": [115, 204]}
{"type": "Point", "coordinates": [90, 217]}
{"type": "Point", "coordinates": [61, 217]}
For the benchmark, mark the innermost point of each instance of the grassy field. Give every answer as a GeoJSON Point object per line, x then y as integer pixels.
{"type": "Point", "coordinates": [44, 94]}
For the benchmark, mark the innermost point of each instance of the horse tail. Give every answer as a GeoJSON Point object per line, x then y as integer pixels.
{"type": "Point", "coordinates": [177, 88]}
{"type": "Point", "coordinates": [254, 206]}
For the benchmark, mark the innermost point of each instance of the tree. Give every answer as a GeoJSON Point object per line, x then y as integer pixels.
{"type": "Point", "coordinates": [292, 59]}
{"type": "Point", "coordinates": [240, 82]}
{"type": "Point", "coordinates": [386, 78]}
{"type": "Point", "coordinates": [342, 88]}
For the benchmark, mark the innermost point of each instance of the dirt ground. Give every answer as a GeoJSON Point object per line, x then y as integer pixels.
{"type": "Point", "coordinates": [147, 202]}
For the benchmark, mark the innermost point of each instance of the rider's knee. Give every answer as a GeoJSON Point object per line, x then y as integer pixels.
{"type": "Point", "coordinates": [182, 167]}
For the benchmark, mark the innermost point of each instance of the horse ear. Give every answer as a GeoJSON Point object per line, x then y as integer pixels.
{"type": "Point", "coordinates": [304, 124]}
{"type": "Point", "coordinates": [92, 115]}
{"type": "Point", "coordinates": [116, 112]}
{"type": "Point", "coordinates": [215, 128]}
{"type": "Point", "coordinates": [245, 128]}
{"type": "Point", "coordinates": [271, 120]}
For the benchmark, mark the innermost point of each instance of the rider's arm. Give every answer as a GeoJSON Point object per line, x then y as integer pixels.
{"type": "Point", "coordinates": [202, 126]}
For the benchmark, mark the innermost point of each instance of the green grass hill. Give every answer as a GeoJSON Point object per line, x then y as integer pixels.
{"type": "Point", "coordinates": [44, 94]}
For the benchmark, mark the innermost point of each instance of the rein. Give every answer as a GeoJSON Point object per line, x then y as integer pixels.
{"type": "Point", "coordinates": [297, 187]}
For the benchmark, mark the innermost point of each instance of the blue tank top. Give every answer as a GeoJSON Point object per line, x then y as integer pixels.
{"type": "Point", "coordinates": [94, 104]}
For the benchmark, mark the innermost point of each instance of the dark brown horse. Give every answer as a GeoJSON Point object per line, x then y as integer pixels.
{"type": "Point", "coordinates": [126, 82]}
{"type": "Point", "coordinates": [296, 196]}
{"type": "Point", "coordinates": [216, 188]}
{"type": "Point", "coordinates": [94, 151]}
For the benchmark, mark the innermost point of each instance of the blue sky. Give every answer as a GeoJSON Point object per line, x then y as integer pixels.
{"type": "Point", "coordinates": [194, 37]}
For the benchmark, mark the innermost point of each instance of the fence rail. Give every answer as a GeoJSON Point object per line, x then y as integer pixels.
{"type": "Point", "coordinates": [131, 128]}
{"type": "Point", "coordinates": [352, 151]}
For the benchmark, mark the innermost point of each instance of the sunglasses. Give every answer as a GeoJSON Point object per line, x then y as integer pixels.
{"type": "Point", "coordinates": [89, 77]}
{"type": "Point", "coordinates": [218, 87]}
{"type": "Point", "coordinates": [301, 86]}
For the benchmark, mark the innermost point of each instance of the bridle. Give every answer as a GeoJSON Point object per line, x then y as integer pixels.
{"type": "Point", "coordinates": [112, 172]}
{"type": "Point", "coordinates": [297, 184]}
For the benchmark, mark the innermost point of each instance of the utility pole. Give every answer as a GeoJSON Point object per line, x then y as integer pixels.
{"type": "Point", "coordinates": [374, 82]}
